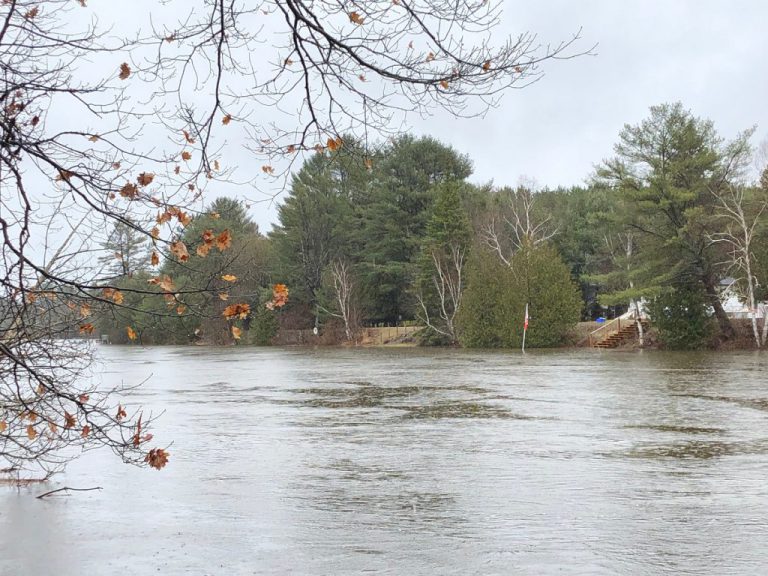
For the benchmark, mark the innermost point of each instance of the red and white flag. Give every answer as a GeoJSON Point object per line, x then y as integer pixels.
{"type": "Point", "coordinates": [525, 323]}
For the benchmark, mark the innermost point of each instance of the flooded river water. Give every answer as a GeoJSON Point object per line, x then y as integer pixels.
{"type": "Point", "coordinates": [411, 462]}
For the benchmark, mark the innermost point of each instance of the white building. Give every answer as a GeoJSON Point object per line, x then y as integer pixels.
{"type": "Point", "coordinates": [733, 304]}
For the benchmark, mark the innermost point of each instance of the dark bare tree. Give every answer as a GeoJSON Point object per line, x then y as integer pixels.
{"type": "Point", "coordinates": [98, 131]}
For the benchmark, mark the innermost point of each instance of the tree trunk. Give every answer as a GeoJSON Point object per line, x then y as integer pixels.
{"type": "Point", "coordinates": [639, 320]}
{"type": "Point", "coordinates": [752, 304]}
{"type": "Point", "coordinates": [764, 338]}
{"type": "Point", "coordinates": [726, 329]}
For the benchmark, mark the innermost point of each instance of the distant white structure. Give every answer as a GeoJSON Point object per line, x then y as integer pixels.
{"type": "Point", "coordinates": [734, 306]}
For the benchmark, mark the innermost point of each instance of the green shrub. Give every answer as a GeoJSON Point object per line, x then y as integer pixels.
{"type": "Point", "coordinates": [681, 316]}
{"type": "Point", "coordinates": [264, 326]}
{"type": "Point", "coordinates": [493, 305]}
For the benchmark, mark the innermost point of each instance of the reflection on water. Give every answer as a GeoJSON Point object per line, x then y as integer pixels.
{"type": "Point", "coordinates": [697, 449]}
{"type": "Point", "coordinates": [460, 410]}
{"type": "Point", "coordinates": [418, 462]}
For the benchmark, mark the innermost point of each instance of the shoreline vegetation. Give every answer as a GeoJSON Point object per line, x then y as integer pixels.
{"type": "Point", "coordinates": [408, 337]}
{"type": "Point", "coordinates": [673, 229]}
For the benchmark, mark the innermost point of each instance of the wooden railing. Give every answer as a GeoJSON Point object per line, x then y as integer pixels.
{"type": "Point", "coordinates": [607, 329]}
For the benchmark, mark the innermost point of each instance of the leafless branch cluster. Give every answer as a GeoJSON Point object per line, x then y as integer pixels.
{"type": "Point", "coordinates": [336, 67]}
{"type": "Point", "coordinates": [741, 226]}
{"type": "Point", "coordinates": [447, 278]}
{"type": "Point", "coordinates": [96, 132]}
{"type": "Point", "coordinates": [516, 225]}
{"type": "Point", "coordinates": [343, 287]}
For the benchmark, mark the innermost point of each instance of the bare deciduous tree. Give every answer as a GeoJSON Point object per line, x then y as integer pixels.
{"type": "Point", "coordinates": [516, 225]}
{"type": "Point", "coordinates": [343, 289]}
{"type": "Point", "coordinates": [98, 131]}
{"type": "Point", "coordinates": [741, 224]}
{"type": "Point", "coordinates": [447, 279]}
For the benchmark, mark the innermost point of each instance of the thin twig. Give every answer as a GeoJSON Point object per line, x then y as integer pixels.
{"type": "Point", "coordinates": [68, 488]}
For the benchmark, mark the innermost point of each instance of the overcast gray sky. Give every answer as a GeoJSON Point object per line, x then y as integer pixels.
{"type": "Point", "coordinates": [710, 55]}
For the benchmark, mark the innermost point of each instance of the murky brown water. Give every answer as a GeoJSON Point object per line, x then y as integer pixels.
{"type": "Point", "coordinates": [419, 462]}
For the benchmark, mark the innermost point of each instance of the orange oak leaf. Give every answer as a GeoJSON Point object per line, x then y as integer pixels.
{"type": "Point", "coordinates": [163, 217]}
{"type": "Point", "coordinates": [184, 218]}
{"type": "Point", "coordinates": [115, 295]}
{"type": "Point", "coordinates": [137, 435]}
{"type": "Point", "coordinates": [125, 71]}
{"type": "Point", "coordinates": [86, 430]}
{"type": "Point", "coordinates": [236, 333]}
{"type": "Point", "coordinates": [86, 328]}
{"type": "Point", "coordinates": [131, 333]}
{"type": "Point", "coordinates": [3, 426]}
{"type": "Point", "coordinates": [164, 282]}
{"type": "Point", "coordinates": [186, 155]}
{"type": "Point", "coordinates": [203, 249]}
{"type": "Point", "coordinates": [31, 432]}
{"type": "Point", "coordinates": [229, 278]}
{"type": "Point", "coordinates": [224, 240]}
{"type": "Point", "coordinates": [279, 295]}
{"type": "Point", "coordinates": [179, 249]}
{"type": "Point", "coordinates": [157, 458]}
{"type": "Point", "coordinates": [121, 413]}
{"type": "Point", "coordinates": [355, 18]}
{"type": "Point", "coordinates": [155, 259]}
{"type": "Point", "coordinates": [226, 120]}
{"type": "Point", "coordinates": [235, 310]}
{"type": "Point", "coordinates": [145, 178]}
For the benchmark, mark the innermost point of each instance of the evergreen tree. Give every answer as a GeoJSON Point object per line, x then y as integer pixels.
{"type": "Point", "coordinates": [666, 170]}
{"type": "Point", "coordinates": [681, 315]}
{"type": "Point", "coordinates": [394, 219]}
{"type": "Point", "coordinates": [494, 303]}
{"type": "Point", "coordinates": [317, 221]}
{"type": "Point", "coordinates": [127, 252]}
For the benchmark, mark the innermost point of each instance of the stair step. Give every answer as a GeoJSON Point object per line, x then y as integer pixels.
{"type": "Point", "coordinates": [618, 338]}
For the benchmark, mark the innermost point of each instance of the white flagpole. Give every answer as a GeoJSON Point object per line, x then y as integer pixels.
{"type": "Point", "coordinates": [525, 325]}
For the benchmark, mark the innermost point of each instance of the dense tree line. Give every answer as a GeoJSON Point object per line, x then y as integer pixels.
{"type": "Point", "coordinates": [400, 235]}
